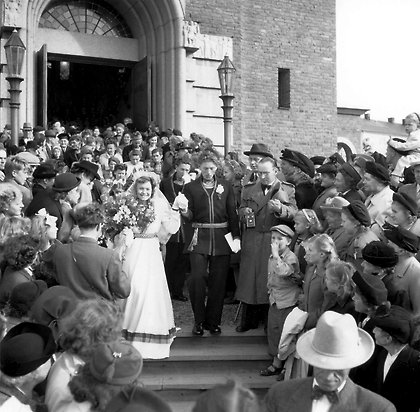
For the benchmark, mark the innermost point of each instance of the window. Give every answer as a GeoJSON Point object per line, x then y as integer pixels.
{"type": "Point", "coordinates": [284, 88]}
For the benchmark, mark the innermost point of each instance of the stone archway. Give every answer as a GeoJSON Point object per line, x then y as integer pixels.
{"type": "Point", "coordinates": [157, 27]}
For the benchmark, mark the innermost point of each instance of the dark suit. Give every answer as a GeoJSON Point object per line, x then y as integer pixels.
{"type": "Point", "coordinates": [210, 255]}
{"type": "Point", "coordinates": [402, 383]}
{"type": "Point", "coordinates": [295, 396]}
{"type": "Point", "coordinates": [90, 270]}
{"type": "Point", "coordinates": [352, 195]}
{"type": "Point", "coordinates": [176, 260]}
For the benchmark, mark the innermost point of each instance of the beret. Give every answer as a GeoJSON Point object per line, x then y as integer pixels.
{"type": "Point", "coordinates": [407, 201]}
{"type": "Point", "coordinates": [351, 171]}
{"type": "Point", "coordinates": [25, 348]}
{"type": "Point", "coordinates": [25, 294]}
{"type": "Point", "coordinates": [380, 254]}
{"type": "Point", "coordinates": [335, 204]}
{"type": "Point", "coordinates": [283, 230]}
{"type": "Point", "coordinates": [28, 158]}
{"type": "Point", "coordinates": [359, 211]}
{"type": "Point", "coordinates": [396, 322]}
{"type": "Point", "coordinates": [378, 171]}
{"type": "Point", "coordinates": [116, 363]}
{"type": "Point", "coordinates": [318, 160]}
{"type": "Point", "coordinates": [44, 171]}
{"type": "Point", "coordinates": [403, 238]}
{"type": "Point", "coordinates": [371, 287]}
{"type": "Point", "coordinates": [299, 160]}
{"type": "Point", "coordinates": [327, 168]}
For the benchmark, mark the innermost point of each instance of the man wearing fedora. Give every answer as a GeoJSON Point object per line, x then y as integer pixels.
{"type": "Point", "coordinates": [334, 347]}
{"type": "Point", "coordinates": [255, 155]}
{"type": "Point", "coordinates": [266, 203]}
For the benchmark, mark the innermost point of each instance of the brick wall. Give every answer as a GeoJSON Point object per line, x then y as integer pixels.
{"type": "Point", "coordinates": [267, 35]}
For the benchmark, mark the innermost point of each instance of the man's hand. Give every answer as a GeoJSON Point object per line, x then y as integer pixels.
{"type": "Point", "coordinates": [274, 205]}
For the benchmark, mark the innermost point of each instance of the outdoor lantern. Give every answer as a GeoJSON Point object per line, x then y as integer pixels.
{"type": "Point", "coordinates": [226, 71]}
{"type": "Point", "coordinates": [15, 52]}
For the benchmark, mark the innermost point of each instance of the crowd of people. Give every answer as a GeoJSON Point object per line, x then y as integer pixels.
{"type": "Point", "coordinates": [101, 231]}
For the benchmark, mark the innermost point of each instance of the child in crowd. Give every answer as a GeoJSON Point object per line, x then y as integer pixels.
{"type": "Point", "coordinates": [283, 289]}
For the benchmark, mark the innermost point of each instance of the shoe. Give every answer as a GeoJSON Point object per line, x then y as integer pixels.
{"type": "Point", "coordinates": [198, 329]}
{"type": "Point", "coordinates": [280, 376]}
{"type": "Point", "coordinates": [245, 328]}
{"type": "Point", "coordinates": [214, 330]}
{"type": "Point", "coordinates": [180, 298]}
{"type": "Point", "coordinates": [270, 371]}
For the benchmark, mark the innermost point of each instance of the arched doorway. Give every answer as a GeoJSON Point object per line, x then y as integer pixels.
{"type": "Point", "coordinates": [137, 46]}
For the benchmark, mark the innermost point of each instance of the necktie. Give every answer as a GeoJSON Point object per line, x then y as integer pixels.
{"type": "Point", "coordinates": [318, 393]}
{"type": "Point", "coordinates": [265, 188]}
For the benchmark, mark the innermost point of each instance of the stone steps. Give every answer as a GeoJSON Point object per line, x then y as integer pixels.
{"type": "Point", "coordinates": [199, 363]}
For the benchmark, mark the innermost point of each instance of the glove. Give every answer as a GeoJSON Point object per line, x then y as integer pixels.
{"type": "Point", "coordinates": [181, 202]}
{"type": "Point", "coordinates": [186, 178]}
{"type": "Point", "coordinates": [236, 246]}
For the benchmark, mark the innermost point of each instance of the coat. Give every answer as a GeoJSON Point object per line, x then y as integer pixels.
{"type": "Point", "coordinates": [408, 279]}
{"type": "Point", "coordinates": [256, 242]}
{"type": "Point", "coordinates": [295, 396]}
{"type": "Point", "coordinates": [313, 292]}
{"type": "Point", "coordinates": [90, 270]}
{"type": "Point", "coordinates": [45, 199]}
{"type": "Point", "coordinates": [211, 206]}
{"type": "Point", "coordinates": [305, 193]}
{"type": "Point", "coordinates": [402, 382]}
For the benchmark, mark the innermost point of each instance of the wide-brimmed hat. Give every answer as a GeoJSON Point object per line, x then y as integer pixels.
{"type": "Point", "coordinates": [259, 149]}
{"type": "Point", "coordinates": [318, 160]}
{"type": "Point", "coordinates": [371, 287]}
{"type": "Point", "coordinates": [403, 238]}
{"type": "Point", "coordinates": [335, 204]}
{"type": "Point", "coordinates": [137, 399]}
{"type": "Point", "coordinates": [283, 230]}
{"type": "Point", "coordinates": [116, 363]}
{"type": "Point", "coordinates": [44, 171]}
{"type": "Point", "coordinates": [359, 211]}
{"type": "Point", "coordinates": [299, 160]}
{"type": "Point", "coordinates": [335, 343]}
{"type": "Point", "coordinates": [90, 167]}
{"type": "Point", "coordinates": [65, 182]}
{"type": "Point", "coordinates": [378, 171]}
{"type": "Point", "coordinates": [25, 348]}
{"type": "Point", "coordinates": [380, 254]}
{"type": "Point", "coordinates": [396, 321]}
{"type": "Point", "coordinates": [50, 133]}
{"type": "Point", "coordinates": [407, 201]}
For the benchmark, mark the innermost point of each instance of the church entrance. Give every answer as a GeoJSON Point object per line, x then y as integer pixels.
{"type": "Point", "coordinates": [88, 94]}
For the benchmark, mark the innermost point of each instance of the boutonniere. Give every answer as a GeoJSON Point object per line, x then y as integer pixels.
{"type": "Point", "coordinates": [219, 190]}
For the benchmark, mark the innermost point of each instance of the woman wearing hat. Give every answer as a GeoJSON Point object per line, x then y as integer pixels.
{"type": "Point", "coordinates": [113, 367]}
{"type": "Point", "coordinates": [404, 213]}
{"type": "Point", "coordinates": [59, 200]}
{"type": "Point", "coordinates": [332, 213]}
{"type": "Point", "coordinates": [406, 246]}
{"type": "Point", "coordinates": [379, 259]}
{"type": "Point", "coordinates": [91, 323]}
{"type": "Point", "coordinates": [346, 182]}
{"type": "Point", "coordinates": [356, 223]}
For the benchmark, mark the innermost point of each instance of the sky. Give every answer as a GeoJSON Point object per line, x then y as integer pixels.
{"type": "Point", "coordinates": [378, 56]}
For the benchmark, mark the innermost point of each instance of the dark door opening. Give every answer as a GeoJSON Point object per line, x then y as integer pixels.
{"type": "Point", "coordinates": [88, 94]}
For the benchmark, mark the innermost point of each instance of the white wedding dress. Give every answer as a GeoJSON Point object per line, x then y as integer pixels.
{"type": "Point", "coordinates": [148, 318]}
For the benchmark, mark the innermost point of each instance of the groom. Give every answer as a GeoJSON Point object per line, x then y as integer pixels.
{"type": "Point", "coordinates": [212, 211]}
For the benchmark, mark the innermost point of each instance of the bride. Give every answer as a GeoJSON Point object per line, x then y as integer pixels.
{"type": "Point", "coordinates": [148, 319]}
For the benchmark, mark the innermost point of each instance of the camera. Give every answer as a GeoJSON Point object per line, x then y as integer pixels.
{"type": "Point", "coordinates": [250, 220]}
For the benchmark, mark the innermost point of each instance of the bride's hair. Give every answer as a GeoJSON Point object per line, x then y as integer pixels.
{"type": "Point", "coordinates": [146, 179]}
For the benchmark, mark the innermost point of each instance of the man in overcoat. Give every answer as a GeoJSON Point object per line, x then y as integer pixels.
{"type": "Point", "coordinates": [265, 204]}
